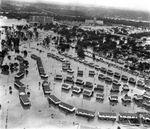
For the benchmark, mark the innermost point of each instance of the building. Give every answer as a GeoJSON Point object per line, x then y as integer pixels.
{"type": "Point", "coordinates": [99, 22]}
{"type": "Point", "coordinates": [40, 19]}
{"type": "Point", "coordinates": [94, 22]}
{"type": "Point", "coordinates": [89, 22]}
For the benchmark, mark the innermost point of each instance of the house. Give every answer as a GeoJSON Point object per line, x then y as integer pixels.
{"type": "Point", "coordinates": [91, 73]}
{"type": "Point", "coordinates": [88, 85]}
{"type": "Point", "coordinates": [110, 72]}
{"type": "Point", "coordinates": [113, 98]}
{"type": "Point", "coordinates": [76, 90]}
{"type": "Point", "coordinates": [116, 83]}
{"type": "Point", "coordinates": [108, 79]}
{"type": "Point", "coordinates": [145, 119]}
{"type": "Point", "coordinates": [107, 116]}
{"type": "Point", "coordinates": [117, 75]}
{"type": "Point", "coordinates": [100, 96]}
{"type": "Point", "coordinates": [80, 73]}
{"type": "Point", "coordinates": [137, 97]}
{"type": "Point", "coordinates": [18, 84]}
{"type": "Point", "coordinates": [101, 76]}
{"type": "Point", "coordinates": [87, 93]}
{"type": "Point", "coordinates": [141, 83]}
{"type": "Point", "coordinates": [19, 75]}
{"type": "Point", "coordinates": [65, 87]}
{"type": "Point", "coordinates": [46, 87]}
{"type": "Point", "coordinates": [24, 100]}
{"type": "Point", "coordinates": [58, 77]}
{"type": "Point", "coordinates": [126, 98]}
{"type": "Point", "coordinates": [114, 89]}
{"type": "Point", "coordinates": [85, 113]}
{"type": "Point", "coordinates": [54, 99]}
{"type": "Point", "coordinates": [66, 107]}
{"type": "Point", "coordinates": [124, 78]}
{"type": "Point", "coordinates": [125, 87]}
{"type": "Point", "coordinates": [69, 79]}
{"type": "Point", "coordinates": [146, 103]}
{"type": "Point", "coordinates": [99, 88]}
{"type": "Point", "coordinates": [79, 82]}
{"type": "Point", "coordinates": [132, 81]}
{"type": "Point", "coordinates": [103, 70]}
{"type": "Point", "coordinates": [131, 118]}
{"type": "Point", "coordinates": [146, 95]}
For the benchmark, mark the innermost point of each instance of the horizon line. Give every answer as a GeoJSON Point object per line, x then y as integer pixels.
{"type": "Point", "coordinates": [75, 4]}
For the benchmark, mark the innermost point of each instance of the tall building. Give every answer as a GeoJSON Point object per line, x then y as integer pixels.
{"type": "Point", "coordinates": [94, 21]}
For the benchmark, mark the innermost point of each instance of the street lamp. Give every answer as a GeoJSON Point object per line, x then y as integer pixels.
{"type": "Point", "coordinates": [82, 102]}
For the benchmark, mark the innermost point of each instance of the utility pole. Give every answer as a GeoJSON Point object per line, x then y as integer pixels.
{"type": "Point", "coordinates": [6, 119]}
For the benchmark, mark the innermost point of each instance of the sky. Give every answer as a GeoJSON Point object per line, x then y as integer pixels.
{"type": "Point", "coordinates": [124, 4]}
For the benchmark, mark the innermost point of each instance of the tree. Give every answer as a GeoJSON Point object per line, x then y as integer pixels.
{"type": "Point", "coordinates": [64, 47]}
{"type": "Point", "coordinates": [94, 56]}
{"type": "Point", "coordinates": [28, 93]}
{"type": "Point", "coordinates": [80, 52]}
{"type": "Point", "coordinates": [10, 88]}
{"type": "Point", "coordinates": [37, 34]}
{"type": "Point", "coordinates": [47, 40]}
{"type": "Point", "coordinates": [118, 127]}
{"type": "Point", "coordinates": [25, 53]}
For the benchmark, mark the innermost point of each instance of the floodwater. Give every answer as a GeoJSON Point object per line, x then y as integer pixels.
{"type": "Point", "coordinates": [4, 21]}
{"type": "Point", "coordinates": [39, 101]}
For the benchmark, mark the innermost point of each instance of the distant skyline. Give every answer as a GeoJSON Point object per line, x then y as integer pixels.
{"type": "Point", "coordinates": [143, 5]}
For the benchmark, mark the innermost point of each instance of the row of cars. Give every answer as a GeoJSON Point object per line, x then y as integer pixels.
{"type": "Point", "coordinates": [131, 118]}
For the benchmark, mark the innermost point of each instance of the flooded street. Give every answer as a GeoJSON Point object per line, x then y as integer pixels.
{"type": "Point", "coordinates": [13, 115]}
{"type": "Point", "coordinates": [39, 101]}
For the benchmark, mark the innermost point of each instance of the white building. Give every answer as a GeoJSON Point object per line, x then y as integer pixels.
{"type": "Point", "coordinates": [41, 19]}
{"type": "Point", "coordinates": [99, 22]}
{"type": "Point", "coordinates": [94, 22]}
{"type": "Point", "coordinates": [89, 22]}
